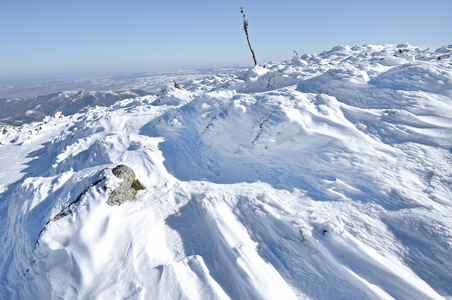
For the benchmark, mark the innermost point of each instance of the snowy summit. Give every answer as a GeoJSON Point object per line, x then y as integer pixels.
{"type": "Point", "coordinates": [327, 176]}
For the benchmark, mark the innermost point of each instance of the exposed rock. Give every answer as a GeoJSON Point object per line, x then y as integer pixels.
{"type": "Point", "coordinates": [126, 191]}
{"type": "Point", "coordinates": [61, 215]}
{"type": "Point", "coordinates": [136, 185]}
{"type": "Point", "coordinates": [66, 211]}
{"type": "Point", "coordinates": [128, 188]}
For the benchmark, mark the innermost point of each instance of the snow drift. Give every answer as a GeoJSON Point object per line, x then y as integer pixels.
{"type": "Point", "coordinates": [326, 176]}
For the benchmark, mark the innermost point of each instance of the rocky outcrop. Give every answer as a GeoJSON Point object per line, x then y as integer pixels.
{"type": "Point", "coordinates": [126, 191]}
{"type": "Point", "coordinates": [128, 188]}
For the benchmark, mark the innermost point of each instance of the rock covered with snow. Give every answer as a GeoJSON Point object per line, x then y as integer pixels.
{"type": "Point", "coordinates": [127, 189]}
{"type": "Point", "coordinates": [324, 176]}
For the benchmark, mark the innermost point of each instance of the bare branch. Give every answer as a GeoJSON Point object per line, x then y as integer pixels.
{"type": "Point", "coordinates": [245, 28]}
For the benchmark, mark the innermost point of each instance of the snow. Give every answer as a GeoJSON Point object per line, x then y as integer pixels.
{"type": "Point", "coordinates": [322, 177]}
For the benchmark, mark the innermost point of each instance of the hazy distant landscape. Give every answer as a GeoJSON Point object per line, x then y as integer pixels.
{"type": "Point", "coordinates": [27, 101]}
{"type": "Point", "coordinates": [26, 89]}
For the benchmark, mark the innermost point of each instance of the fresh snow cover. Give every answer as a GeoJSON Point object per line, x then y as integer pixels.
{"type": "Point", "coordinates": [326, 176]}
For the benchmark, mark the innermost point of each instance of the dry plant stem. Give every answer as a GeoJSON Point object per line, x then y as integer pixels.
{"type": "Point", "coordinates": [245, 27]}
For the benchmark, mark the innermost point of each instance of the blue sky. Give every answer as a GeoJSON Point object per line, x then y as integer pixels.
{"type": "Point", "coordinates": [55, 37]}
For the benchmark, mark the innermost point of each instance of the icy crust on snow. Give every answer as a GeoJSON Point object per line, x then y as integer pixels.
{"type": "Point", "coordinates": [325, 176]}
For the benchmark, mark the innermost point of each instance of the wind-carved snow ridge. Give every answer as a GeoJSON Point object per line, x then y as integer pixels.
{"type": "Point", "coordinates": [322, 177]}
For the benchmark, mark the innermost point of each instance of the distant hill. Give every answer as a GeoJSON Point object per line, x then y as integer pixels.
{"type": "Point", "coordinates": [18, 112]}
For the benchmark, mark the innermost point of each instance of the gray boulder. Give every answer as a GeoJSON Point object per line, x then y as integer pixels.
{"type": "Point", "coordinates": [128, 188]}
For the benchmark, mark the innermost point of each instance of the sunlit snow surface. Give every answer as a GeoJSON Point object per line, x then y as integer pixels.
{"type": "Point", "coordinates": [324, 177]}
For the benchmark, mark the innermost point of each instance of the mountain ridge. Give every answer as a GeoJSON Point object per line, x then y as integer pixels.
{"type": "Point", "coordinates": [324, 176]}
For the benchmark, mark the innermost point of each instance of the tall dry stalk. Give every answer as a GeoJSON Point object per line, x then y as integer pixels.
{"type": "Point", "coordinates": [245, 27]}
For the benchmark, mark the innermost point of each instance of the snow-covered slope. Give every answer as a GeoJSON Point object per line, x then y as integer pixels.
{"type": "Point", "coordinates": [324, 177]}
